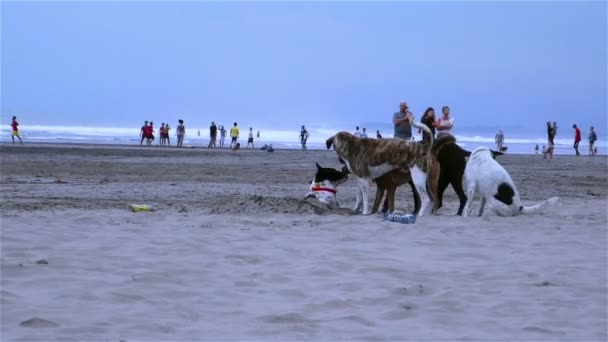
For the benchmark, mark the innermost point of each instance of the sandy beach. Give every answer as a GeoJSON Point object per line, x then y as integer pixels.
{"type": "Point", "coordinates": [233, 252]}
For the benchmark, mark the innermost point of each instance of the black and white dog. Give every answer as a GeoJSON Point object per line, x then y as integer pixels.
{"type": "Point", "coordinates": [324, 186]}
{"type": "Point", "coordinates": [485, 176]}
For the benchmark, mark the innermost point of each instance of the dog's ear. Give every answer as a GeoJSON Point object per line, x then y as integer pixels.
{"type": "Point", "coordinates": [329, 142]}
{"type": "Point", "coordinates": [496, 153]}
{"type": "Point", "coordinates": [318, 166]}
{"type": "Point", "coordinates": [466, 153]}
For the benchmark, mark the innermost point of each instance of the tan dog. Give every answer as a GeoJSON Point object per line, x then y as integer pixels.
{"type": "Point", "coordinates": [372, 158]}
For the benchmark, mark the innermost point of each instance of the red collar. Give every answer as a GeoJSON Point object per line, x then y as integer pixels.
{"type": "Point", "coordinates": [333, 191]}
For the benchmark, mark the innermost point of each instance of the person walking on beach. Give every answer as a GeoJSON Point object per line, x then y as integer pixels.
{"type": "Point", "coordinates": [536, 148]}
{"type": "Point", "coordinates": [15, 130]}
{"type": "Point", "coordinates": [445, 122]}
{"type": "Point", "coordinates": [212, 134]}
{"type": "Point", "coordinates": [499, 139]}
{"type": "Point", "coordinates": [577, 139]}
{"type": "Point", "coordinates": [364, 133]}
{"type": "Point", "coordinates": [161, 134]}
{"type": "Point", "coordinates": [250, 139]}
{"type": "Point", "coordinates": [592, 139]}
{"type": "Point", "coordinates": [180, 132]}
{"type": "Point", "coordinates": [551, 131]}
{"type": "Point", "coordinates": [222, 135]}
{"type": "Point", "coordinates": [303, 137]}
{"type": "Point", "coordinates": [149, 133]}
{"type": "Point", "coordinates": [142, 132]}
{"type": "Point", "coordinates": [258, 134]}
{"type": "Point", "coordinates": [357, 133]}
{"type": "Point", "coordinates": [167, 140]}
{"type": "Point", "coordinates": [378, 135]}
{"type": "Point", "coordinates": [234, 134]}
{"type": "Point", "coordinates": [402, 120]}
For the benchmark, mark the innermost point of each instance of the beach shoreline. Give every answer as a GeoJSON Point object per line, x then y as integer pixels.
{"type": "Point", "coordinates": [233, 252]}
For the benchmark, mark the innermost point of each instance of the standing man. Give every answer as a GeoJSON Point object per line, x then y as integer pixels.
{"type": "Point", "coordinates": [212, 134]}
{"type": "Point", "coordinates": [15, 127]}
{"type": "Point", "coordinates": [142, 133]}
{"type": "Point", "coordinates": [378, 135]}
{"type": "Point", "coordinates": [234, 134]}
{"type": "Point", "coordinates": [222, 135]}
{"type": "Point", "coordinates": [180, 132]}
{"type": "Point", "coordinates": [577, 138]}
{"type": "Point", "coordinates": [357, 132]}
{"type": "Point", "coordinates": [250, 138]}
{"type": "Point", "coordinates": [551, 131]}
{"type": "Point", "coordinates": [499, 139]}
{"type": "Point", "coordinates": [402, 121]}
{"type": "Point", "coordinates": [592, 139]}
{"type": "Point", "coordinates": [303, 137]}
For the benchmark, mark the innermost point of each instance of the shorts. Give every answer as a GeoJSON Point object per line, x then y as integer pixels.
{"type": "Point", "coordinates": [234, 139]}
{"type": "Point", "coordinates": [575, 144]}
{"type": "Point", "coordinates": [15, 133]}
{"type": "Point", "coordinates": [250, 140]}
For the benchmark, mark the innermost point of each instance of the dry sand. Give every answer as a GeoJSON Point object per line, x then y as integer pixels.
{"type": "Point", "coordinates": [234, 253]}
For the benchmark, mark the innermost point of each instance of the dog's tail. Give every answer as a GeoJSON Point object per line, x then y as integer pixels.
{"type": "Point", "coordinates": [426, 130]}
{"type": "Point", "coordinates": [539, 206]}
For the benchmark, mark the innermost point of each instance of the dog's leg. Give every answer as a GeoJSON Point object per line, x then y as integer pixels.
{"type": "Point", "coordinates": [417, 203]}
{"type": "Point", "coordinates": [471, 188]}
{"type": "Point", "coordinates": [358, 196]}
{"type": "Point", "coordinates": [365, 195]}
{"type": "Point", "coordinates": [457, 186]}
{"type": "Point", "coordinates": [482, 205]}
{"type": "Point", "coordinates": [379, 195]}
{"type": "Point", "coordinates": [442, 185]}
{"type": "Point", "coordinates": [390, 194]}
{"type": "Point", "coordinates": [419, 178]}
{"type": "Point", "coordinates": [432, 180]}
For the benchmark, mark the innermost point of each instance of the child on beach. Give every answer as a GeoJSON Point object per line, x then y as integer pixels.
{"type": "Point", "coordinates": [15, 128]}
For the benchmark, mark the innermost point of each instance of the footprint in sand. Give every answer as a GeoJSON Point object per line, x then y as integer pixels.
{"type": "Point", "coordinates": [38, 323]}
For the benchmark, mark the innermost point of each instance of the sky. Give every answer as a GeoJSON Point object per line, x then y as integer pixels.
{"type": "Point", "coordinates": [511, 65]}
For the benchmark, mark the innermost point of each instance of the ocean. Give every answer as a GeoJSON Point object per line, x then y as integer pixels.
{"type": "Point", "coordinates": [282, 139]}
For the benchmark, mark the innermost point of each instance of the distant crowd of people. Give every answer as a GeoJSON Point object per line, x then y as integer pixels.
{"type": "Point", "coordinates": [402, 130]}
{"type": "Point", "coordinates": [552, 132]}
{"type": "Point", "coordinates": [147, 134]}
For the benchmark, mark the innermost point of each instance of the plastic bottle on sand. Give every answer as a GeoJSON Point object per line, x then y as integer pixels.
{"type": "Point", "coordinates": [401, 218]}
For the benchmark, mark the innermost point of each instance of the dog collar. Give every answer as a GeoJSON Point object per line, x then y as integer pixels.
{"type": "Point", "coordinates": [318, 188]}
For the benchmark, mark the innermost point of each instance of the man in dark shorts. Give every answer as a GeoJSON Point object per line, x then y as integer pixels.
{"type": "Point", "coordinates": [142, 133]}
{"type": "Point", "coordinates": [577, 139]}
{"type": "Point", "coordinates": [212, 134]}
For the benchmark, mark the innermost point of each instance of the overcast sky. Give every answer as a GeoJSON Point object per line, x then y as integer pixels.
{"type": "Point", "coordinates": [497, 64]}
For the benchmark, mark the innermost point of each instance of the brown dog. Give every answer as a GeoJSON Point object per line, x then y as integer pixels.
{"type": "Point", "coordinates": [388, 183]}
{"type": "Point", "coordinates": [372, 158]}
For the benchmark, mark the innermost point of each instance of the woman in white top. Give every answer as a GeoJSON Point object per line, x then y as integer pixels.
{"type": "Point", "coordinates": [445, 122]}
